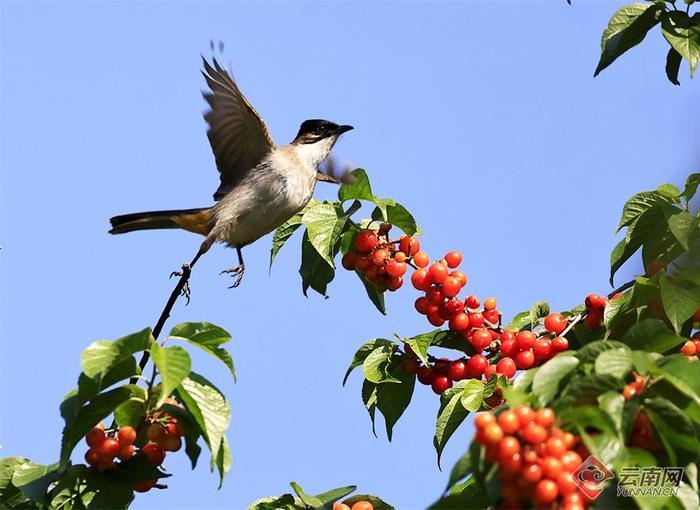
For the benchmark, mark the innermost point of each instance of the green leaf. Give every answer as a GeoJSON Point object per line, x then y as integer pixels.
{"type": "Point", "coordinates": [473, 395]}
{"type": "Point", "coordinates": [285, 231]}
{"type": "Point", "coordinates": [419, 345]}
{"type": "Point", "coordinates": [675, 430]}
{"type": "Point", "coordinates": [92, 413]}
{"type": "Point", "coordinates": [121, 371]}
{"type": "Point", "coordinates": [315, 271]}
{"type": "Point", "coordinates": [223, 460]}
{"type": "Point", "coordinates": [669, 191]}
{"type": "Point", "coordinates": [460, 470]}
{"type": "Point", "coordinates": [309, 501]}
{"type": "Point", "coordinates": [399, 216]}
{"type": "Point", "coordinates": [450, 416]}
{"type": "Point", "coordinates": [680, 300]}
{"type": "Point", "coordinates": [615, 362]}
{"type": "Point", "coordinates": [640, 202]}
{"type": "Point", "coordinates": [376, 364]}
{"type": "Point", "coordinates": [10, 495]}
{"type": "Point", "coordinates": [374, 295]}
{"type": "Point", "coordinates": [34, 480]}
{"type": "Point", "coordinates": [613, 403]}
{"type": "Point", "coordinates": [334, 495]}
{"type": "Point", "coordinates": [652, 335]}
{"type": "Point", "coordinates": [207, 337]}
{"type": "Point", "coordinates": [284, 502]}
{"type": "Point", "coordinates": [174, 365]}
{"type": "Point", "coordinates": [358, 189]}
{"type": "Point", "coordinates": [691, 186]}
{"type": "Point", "coordinates": [683, 226]}
{"type": "Point", "coordinates": [615, 309]}
{"type": "Point", "coordinates": [393, 399]}
{"type": "Point", "coordinates": [324, 224]}
{"type": "Point", "coordinates": [545, 385]}
{"type": "Point", "coordinates": [627, 28]}
{"type": "Point", "coordinates": [683, 34]}
{"type": "Point", "coordinates": [101, 356]}
{"type": "Point", "coordinates": [538, 311]}
{"type": "Point", "coordinates": [209, 409]}
{"type": "Point", "coordinates": [369, 399]}
{"type": "Point", "coordinates": [683, 373]}
{"type": "Point", "coordinates": [364, 351]}
{"type": "Point", "coordinates": [673, 65]}
{"type": "Point", "coordinates": [377, 503]}
{"type": "Point", "coordinates": [589, 352]}
{"type": "Point", "coordinates": [585, 417]}
{"type": "Point", "coordinates": [130, 412]}
{"type": "Point", "coordinates": [519, 321]}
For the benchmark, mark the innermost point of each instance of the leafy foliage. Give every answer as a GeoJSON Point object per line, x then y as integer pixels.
{"type": "Point", "coordinates": [324, 501]}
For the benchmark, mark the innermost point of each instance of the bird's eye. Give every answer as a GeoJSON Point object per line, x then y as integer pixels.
{"type": "Point", "coordinates": [322, 128]}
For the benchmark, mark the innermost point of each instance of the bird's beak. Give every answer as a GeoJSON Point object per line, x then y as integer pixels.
{"type": "Point", "coordinates": [342, 129]}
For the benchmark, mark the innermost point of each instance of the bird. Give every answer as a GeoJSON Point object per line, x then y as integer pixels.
{"type": "Point", "coordinates": [262, 185]}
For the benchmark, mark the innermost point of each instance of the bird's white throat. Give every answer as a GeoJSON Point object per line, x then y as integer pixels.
{"type": "Point", "coordinates": [313, 154]}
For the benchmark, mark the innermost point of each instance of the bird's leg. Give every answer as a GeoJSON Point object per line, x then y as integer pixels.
{"type": "Point", "coordinates": [236, 272]}
{"type": "Point", "coordinates": [188, 267]}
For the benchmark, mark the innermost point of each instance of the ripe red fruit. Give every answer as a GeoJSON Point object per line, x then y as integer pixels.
{"type": "Point", "coordinates": [443, 311]}
{"type": "Point", "coordinates": [525, 359]}
{"type": "Point", "coordinates": [145, 486]}
{"type": "Point", "coordinates": [492, 434]}
{"type": "Point", "coordinates": [594, 301]}
{"type": "Point", "coordinates": [126, 451]}
{"type": "Point", "coordinates": [594, 319]}
{"type": "Point", "coordinates": [472, 302]}
{"type": "Point", "coordinates": [93, 457]}
{"type": "Point", "coordinates": [126, 435]}
{"type": "Point", "coordinates": [490, 370]}
{"type": "Point", "coordinates": [629, 391]}
{"type": "Point", "coordinates": [365, 241]}
{"type": "Point", "coordinates": [510, 464]}
{"type": "Point", "coordinates": [453, 259]}
{"type": "Point", "coordinates": [542, 349]}
{"type": "Point", "coordinates": [559, 344]}
{"type": "Point", "coordinates": [420, 279]}
{"type": "Point", "coordinates": [396, 269]}
{"type": "Point", "coordinates": [435, 319]}
{"type": "Point", "coordinates": [545, 491]}
{"type": "Point", "coordinates": [508, 446]}
{"type": "Point", "coordinates": [362, 505]}
{"type": "Point", "coordinates": [410, 366]}
{"type": "Point", "coordinates": [555, 323]}
{"type": "Point", "coordinates": [154, 452]}
{"type": "Point", "coordinates": [155, 432]}
{"type": "Point", "coordinates": [349, 261]}
{"type": "Point", "coordinates": [506, 366]}
{"type": "Point", "coordinates": [435, 295]}
{"type": "Point", "coordinates": [380, 256]}
{"type": "Point", "coordinates": [570, 461]}
{"type": "Point", "coordinates": [425, 375]}
{"type": "Point", "coordinates": [461, 276]}
{"type": "Point", "coordinates": [441, 383]}
{"type": "Point", "coordinates": [394, 283]}
{"type": "Point", "coordinates": [525, 414]}
{"type": "Point", "coordinates": [555, 447]}
{"type": "Point", "coordinates": [95, 436]}
{"type": "Point", "coordinates": [534, 433]}
{"type": "Point", "coordinates": [509, 422]}
{"type": "Point", "coordinates": [490, 303]}
{"type": "Point", "coordinates": [493, 316]}
{"type": "Point", "coordinates": [508, 348]}
{"type": "Point", "coordinates": [172, 443]}
{"type": "Point", "coordinates": [531, 473]}
{"type": "Point", "coordinates": [455, 306]}
{"type": "Point", "coordinates": [437, 272]}
{"type": "Point", "coordinates": [451, 287]}
{"type": "Point", "coordinates": [109, 449]}
{"type": "Point", "coordinates": [459, 322]}
{"type": "Point", "coordinates": [422, 305]}
{"type": "Point", "coordinates": [480, 339]}
{"type": "Point", "coordinates": [525, 340]}
{"type": "Point", "coordinates": [483, 418]}
{"type": "Point", "coordinates": [544, 417]}
{"type": "Point", "coordinates": [551, 467]}
{"type": "Point", "coordinates": [409, 245]}
{"type": "Point", "coordinates": [654, 266]}
{"type": "Point", "coordinates": [477, 365]}
{"type": "Point", "coordinates": [340, 506]}
{"type": "Point", "coordinates": [688, 348]}
{"type": "Point", "coordinates": [457, 370]}
{"type": "Point", "coordinates": [421, 259]}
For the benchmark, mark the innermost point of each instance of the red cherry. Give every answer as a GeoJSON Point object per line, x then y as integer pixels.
{"type": "Point", "coordinates": [421, 259]}
{"type": "Point", "coordinates": [400, 256]}
{"type": "Point", "coordinates": [510, 464]}
{"type": "Point", "coordinates": [380, 256]}
{"type": "Point", "coordinates": [555, 447]}
{"type": "Point", "coordinates": [95, 436]}
{"type": "Point", "coordinates": [453, 259]}
{"type": "Point", "coordinates": [443, 311]}
{"type": "Point", "coordinates": [531, 473]}
{"type": "Point", "coordinates": [127, 435]}
{"type": "Point", "coordinates": [459, 322]}
{"type": "Point", "coordinates": [425, 375]}
{"type": "Point", "coordinates": [455, 306]}
{"type": "Point", "coordinates": [458, 370]}
{"type": "Point", "coordinates": [349, 260]}
{"type": "Point", "coordinates": [492, 316]}
{"type": "Point", "coordinates": [461, 276]}
{"type": "Point", "coordinates": [476, 320]}
{"type": "Point", "coordinates": [525, 414]}
{"type": "Point", "coordinates": [525, 340]}
{"type": "Point", "coordinates": [551, 467]}
{"type": "Point", "coordinates": [93, 457]}
{"type": "Point", "coordinates": [420, 279]}
{"type": "Point", "coordinates": [422, 305]}
{"type": "Point", "coordinates": [480, 339]}
{"type": "Point", "coordinates": [393, 283]}
{"type": "Point", "coordinates": [395, 269]}
{"type": "Point", "coordinates": [559, 344]}
{"type": "Point", "coordinates": [154, 453]}
{"type": "Point", "coordinates": [594, 319]}
{"type": "Point", "coordinates": [437, 272]}
{"type": "Point", "coordinates": [365, 241]}
{"type": "Point", "coordinates": [629, 391]}
{"type": "Point", "coordinates": [363, 263]}
{"type": "Point", "coordinates": [542, 349]}
{"type": "Point", "coordinates": [544, 417]}
{"type": "Point", "coordinates": [545, 492]}
{"type": "Point", "coordinates": [508, 348]}
{"type": "Point", "coordinates": [476, 366]}
{"type": "Point", "coordinates": [435, 319]}
{"type": "Point", "coordinates": [688, 348]}
{"type": "Point", "coordinates": [492, 434]}
{"type": "Point", "coordinates": [410, 366]}
{"type": "Point", "coordinates": [508, 445]}
{"type": "Point", "coordinates": [484, 418]}
{"type": "Point", "coordinates": [509, 422]}
{"type": "Point", "coordinates": [409, 245]}
{"type": "Point", "coordinates": [555, 323]}
{"type": "Point", "coordinates": [490, 370]}
{"type": "Point", "coordinates": [109, 449]}
{"type": "Point", "coordinates": [472, 302]}
{"type": "Point", "coordinates": [451, 287]}
{"type": "Point", "coordinates": [570, 461]}
{"type": "Point", "coordinates": [440, 384]}
{"type": "Point", "coordinates": [525, 359]}
{"type": "Point", "coordinates": [172, 443]}
{"type": "Point", "coordinates": [126, 451]}
{"type": "Point", "coordinates": [594, 301]}
{"type": "Point", "coordinates": [534, 433]}
{"type": "Point", "coordinates": [506, 366]}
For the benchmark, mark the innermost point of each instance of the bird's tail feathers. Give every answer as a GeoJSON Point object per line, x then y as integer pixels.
{"type": "Point", "coordinates": [193, 220]}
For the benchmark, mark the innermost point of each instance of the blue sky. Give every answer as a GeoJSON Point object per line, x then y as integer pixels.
{"type": "Point", "coordinates": [483, 118]}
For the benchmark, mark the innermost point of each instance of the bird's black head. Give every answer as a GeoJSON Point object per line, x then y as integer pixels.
{"type": "Point", "coordinates": [311, 131]}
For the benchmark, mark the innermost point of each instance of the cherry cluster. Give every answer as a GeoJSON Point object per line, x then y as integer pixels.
{"type": "Point", "coordinates": [359, 505]}
{"type": "Point", "coordinates": [162, 434]}
{"type": "Point", "coordinates": [595, 307]}
{"type": "Point", "coordinates": [535, 458]}
{"type": "Point", "coordinates": [378, 259]}
{"type": "Point", "coordinates": [635, 387]}
{"type": "Point", "coordinates": [691, 348]}
{"type": "Point", "coordinates": [642, 434]}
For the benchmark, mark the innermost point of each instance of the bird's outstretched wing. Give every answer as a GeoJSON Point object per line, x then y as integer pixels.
{"type": "Point", "coordinates": [237, 134]}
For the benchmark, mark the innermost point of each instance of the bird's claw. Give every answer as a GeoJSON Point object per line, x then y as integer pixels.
{"type": "Point", "coordinates": [186, 292]}
{"type": "Point", "coordinates": [235, 272]}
